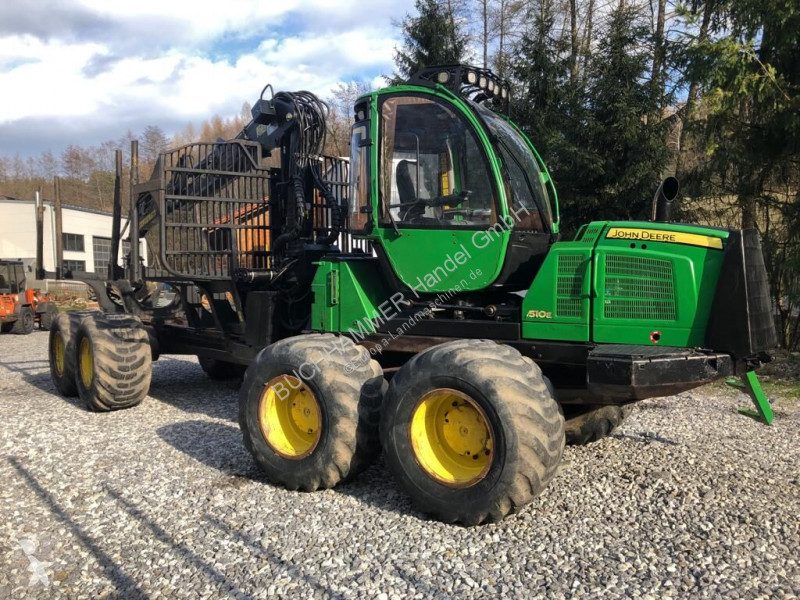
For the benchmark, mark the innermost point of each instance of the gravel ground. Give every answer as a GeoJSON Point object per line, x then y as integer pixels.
{"type": "Point", "coordinates": [688, 498]}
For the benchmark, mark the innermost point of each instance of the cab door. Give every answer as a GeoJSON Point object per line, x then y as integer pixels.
{"type": "Point", "coordinates": [441, 219]}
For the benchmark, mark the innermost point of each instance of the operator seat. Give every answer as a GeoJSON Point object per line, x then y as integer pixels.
{"type": "Point", "coordinates": [406, 191]}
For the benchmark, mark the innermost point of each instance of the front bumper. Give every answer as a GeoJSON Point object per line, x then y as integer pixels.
{"type": "Point", "coordinates": [628, 372]}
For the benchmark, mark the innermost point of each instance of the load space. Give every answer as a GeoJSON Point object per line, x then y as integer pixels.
{"type": "Point", "coordinates": [416, 298]}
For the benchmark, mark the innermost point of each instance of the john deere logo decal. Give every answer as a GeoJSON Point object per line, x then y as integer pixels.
{"type": "Point", "coordinates": [659, 235]}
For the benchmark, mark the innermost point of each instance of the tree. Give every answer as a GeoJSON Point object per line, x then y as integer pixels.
{"type": "Point", "coordinates": [340, 119]}
{"type": "Point", "coordinates": [153, 142]}
{"type": "Point", "coordinates": [48, 166]}
{"type": "Point", "coordinates": [632, 147]}
{"type": "Point", "coordinates": [590, 123]}
{"type": "Point", "coordinates": [540, 73]}
{"type": "Point", "coordinates": [507, 24]}
{"type": "Point", "coordinates": [433, 37]}
{"type": "Point", "coordinates": [746, 71]}
{"type": "Point", "coordinates": [77, 163]}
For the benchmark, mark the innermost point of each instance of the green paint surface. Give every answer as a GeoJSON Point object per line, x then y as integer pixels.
{"type": "Point", "coordinates": [651, 292]}
{"type": "Point", "coordinates": [358, 295]}
{"type": "Point", "coordinates": [624, 291]}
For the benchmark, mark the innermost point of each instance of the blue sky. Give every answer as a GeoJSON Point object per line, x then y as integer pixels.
{"type": "Point", "coordinates": [86, 71]}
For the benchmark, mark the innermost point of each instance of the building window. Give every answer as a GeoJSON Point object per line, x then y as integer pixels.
{"type": "Point", "coordinates": [75, 265]}
{"type": "Point", "coordinates": [101, 248]}
{"type": "Point", "coordinates": [73, 242]}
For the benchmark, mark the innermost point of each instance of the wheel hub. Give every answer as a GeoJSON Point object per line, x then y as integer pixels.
{"type": "Point", "coordinates": [86, 363]}
{"type": "Point", "coordinates": [58, 354]}
{"type": "Point", "coordinates": [451, 438]}
{"type": "Point", "coordinates": [290, 417]}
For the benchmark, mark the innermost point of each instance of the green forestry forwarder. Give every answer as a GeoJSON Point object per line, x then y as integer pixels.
{"type": "Point", "coordinates": [431, 258]}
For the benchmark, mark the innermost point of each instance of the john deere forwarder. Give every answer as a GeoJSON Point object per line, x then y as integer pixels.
{"type": "Point", "coordinates": [432, 259]}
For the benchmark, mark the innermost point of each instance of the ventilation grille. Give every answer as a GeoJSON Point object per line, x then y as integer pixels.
{"type": "Point", "coordinates": [569, 283]}
{"type": "Point", "coordinates": [590, 233]}
{"type": "Point", "coordinates": [639, 288]}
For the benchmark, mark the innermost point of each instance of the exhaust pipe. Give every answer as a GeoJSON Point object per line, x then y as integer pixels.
{"type": "Point", "coordinates": [663, 200]}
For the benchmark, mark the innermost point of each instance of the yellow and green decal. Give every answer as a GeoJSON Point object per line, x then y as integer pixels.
{"type": "Point", "coordinates": [639, 234]}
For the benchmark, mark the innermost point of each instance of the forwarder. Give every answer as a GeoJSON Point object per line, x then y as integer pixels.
{"type": "Point", "coordinates": [432, 257]}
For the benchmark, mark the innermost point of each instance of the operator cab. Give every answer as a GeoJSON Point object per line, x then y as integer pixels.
{"type": "Point", "coordinates": [12, 277]}
{"type": "Point", "coordinates": [453, 176]}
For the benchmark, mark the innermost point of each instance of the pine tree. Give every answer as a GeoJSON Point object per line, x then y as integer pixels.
{"type": "Point", "coordinates": [433, 37]}
{"type": "Point", "coordinates": [747, 131]}
{"type": "Point", "coordinates": [623, 128]}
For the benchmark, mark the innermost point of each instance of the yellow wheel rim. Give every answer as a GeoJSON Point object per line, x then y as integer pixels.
{"type": "Point", "coordinates": [451, 438]}
{"type": "Point", "coordinates": [290, 417]}
{"type": "Point", "coordinates": [86, 362]}
{"type": "Point", "coordinates": [58, 354]}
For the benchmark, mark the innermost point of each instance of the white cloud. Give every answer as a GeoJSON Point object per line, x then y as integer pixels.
{"type": "Point", "coordinates": [169, 62]}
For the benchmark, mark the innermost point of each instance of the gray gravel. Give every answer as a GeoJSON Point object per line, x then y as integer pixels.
{"type": "Point", "coordinates": [687, 499]}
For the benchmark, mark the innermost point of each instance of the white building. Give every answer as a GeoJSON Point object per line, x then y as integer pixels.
{"type": "Point", "coordinates": [86, 235]}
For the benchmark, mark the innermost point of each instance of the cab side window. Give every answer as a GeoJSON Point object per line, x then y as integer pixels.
{"type": "Point", "coordinates": [360, 204]}
{"type": "Point", "coordinates": [434, 173]}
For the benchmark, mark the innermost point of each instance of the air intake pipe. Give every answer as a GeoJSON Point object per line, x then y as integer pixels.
{"type": "Point", "coordinates": [664, 199]}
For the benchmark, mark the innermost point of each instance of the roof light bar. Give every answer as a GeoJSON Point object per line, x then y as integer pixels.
{"type": "Point", "coordinates": [478, 84]}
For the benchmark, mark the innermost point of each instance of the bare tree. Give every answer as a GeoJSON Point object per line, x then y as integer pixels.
{"type": "Point", "coordinates": [152, 143]}
{"type": "Point", "coordinates": [485, 38]}
{"type": "Point", "coordinates": [48, 165]}
{"type": "Point", "coordinates": [656, 78]}
{"type": "Point", "coordinates": [340, 118]}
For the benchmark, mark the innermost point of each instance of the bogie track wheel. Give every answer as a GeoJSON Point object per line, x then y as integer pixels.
{"type": "Point", "coordinates": [471, 431]}
{"type": "Point", "coordinates": [586, 425]}
{"type": "Point", "coordinates": [221, 369]}
{"type": "Point", "coordinates": [47, 316]}
{"type": "Point", "coordinates": [61, 350]}
{"type": "Point", "coordinates": [113, 364]}
{"type": "Point", "coordinates": [309, 408]}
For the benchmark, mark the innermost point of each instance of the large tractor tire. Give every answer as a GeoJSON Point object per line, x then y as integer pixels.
{"type": "Point", "coordinates": [221, 369]}
{"type": "Point", "coordinates": [61, 350]}
{"type": "Point", "coordinates": [25, 321]}
{"type": "Point", "coordinates": [471, 431]}
{"type": "Point", "coordinates": [6, 327]}
{"type": "Point", "coordinates": [309, 408]}
{"type": "Point", "coordinates": [591, 425]}
{"type": "Point", "coordinates": [47, 316]}
{"type": "Point", "coordinates": [113, 363]}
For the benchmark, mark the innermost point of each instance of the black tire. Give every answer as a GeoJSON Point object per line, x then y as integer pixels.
{"type": "Point", "coordinates": [63, 332]}
{"type": "Point", "coordinates": [117, 374]}
{"type": "Point", "coordinates": [25, 321]}
{"type": "Point", "coordinates": [516, 401]}
{"type": "Point", "coordinates": [6, 327]}
{"type": "Point", "coordinates": [47, 316]}
{"type": "Point", "coordinates": [584, 426]}
{"type": "Point", "coordinates": [221, 369]}
{"type": "Point", "coordinates": [348, 387]}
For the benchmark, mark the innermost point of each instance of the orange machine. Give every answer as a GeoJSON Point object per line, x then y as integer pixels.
{"type": "Point", "coordinates": [22, 307]}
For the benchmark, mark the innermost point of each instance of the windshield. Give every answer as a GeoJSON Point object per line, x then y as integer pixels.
{"type": "Point", "coordinates": [434, 171]}
{"type": "Point", "coordinates": [529, 198]}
